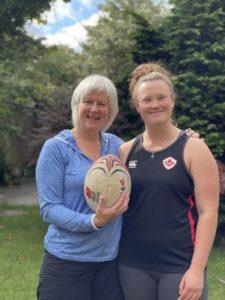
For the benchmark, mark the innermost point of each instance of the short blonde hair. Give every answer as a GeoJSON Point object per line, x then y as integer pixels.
{"type": "Point", "coordinates": [90, 84]}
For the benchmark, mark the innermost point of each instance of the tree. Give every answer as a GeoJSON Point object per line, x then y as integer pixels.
{"type": "Point", "coordinates": [27, 86]}
{"type": "Point", "coordinates": [15, 98]}
{"type": "Point", "coordinates": [63, 68]}
{"type": "Point", "coordinates": [112, 42]}
{"type": "Point", "coordinates": [34, 101]}
{"type": "Point", "coordinates": [196, 44]}
{"type": "Point", "coordinates": [14, 14]}
{"type": "Point", "coordinates": [126, 34]}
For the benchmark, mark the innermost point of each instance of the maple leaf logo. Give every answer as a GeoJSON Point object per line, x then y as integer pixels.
{"type": "Point", "coordinates": [169, 162]}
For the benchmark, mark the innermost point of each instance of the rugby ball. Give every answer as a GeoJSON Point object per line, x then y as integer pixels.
{"type": "Point", "coordinates": [108, 177]}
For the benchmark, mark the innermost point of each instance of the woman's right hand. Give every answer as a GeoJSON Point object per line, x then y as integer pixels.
{"type": "Point", "coordinates": [191, 285]}
{"type": "Point", "coordinates": [106, 214]}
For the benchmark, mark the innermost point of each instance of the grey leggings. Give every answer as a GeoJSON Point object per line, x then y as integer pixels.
{"type": "Point", "coordinates": [138, 284]}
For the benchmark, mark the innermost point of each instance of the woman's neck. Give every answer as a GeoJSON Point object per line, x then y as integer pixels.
{"type": "Point", "coordinates": [158, 137]}
{"type": "Point", "coordinates": [88, 143]}
{"type": "Point", "coordinates": [88, 137]}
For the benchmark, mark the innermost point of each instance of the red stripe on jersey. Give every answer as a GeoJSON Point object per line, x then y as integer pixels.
{"type": "Point", "coordinates": [191, 219]}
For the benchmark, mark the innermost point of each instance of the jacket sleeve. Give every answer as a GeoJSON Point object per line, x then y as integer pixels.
{"type": "Point", "coordinates": [50, 178]}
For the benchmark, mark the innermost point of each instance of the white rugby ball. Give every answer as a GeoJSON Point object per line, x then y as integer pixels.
{"type": "Point", "coordinates": [108, 177]}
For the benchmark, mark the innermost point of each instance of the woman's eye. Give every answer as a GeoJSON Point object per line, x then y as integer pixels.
{"type": "Point", "coordinates": [163, 97]}
{"type": "Point", "coordinates": [101, 104]}
{"type": "Point", "coordinates": [88, 102]}
{"type": "Point", "coordinates": [148, 100]}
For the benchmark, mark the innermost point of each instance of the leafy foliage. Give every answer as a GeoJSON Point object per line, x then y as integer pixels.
{"type": "Point", "coordinates": [126, 34]}
{"type": "Point", "coordinates": [23, 87]}
{"type": "Point", "coordinates": [36, 84]}
{"type": "Point", "coordinates": [197, 50]}
{"type": "Point", "coordinates": [14, 14]}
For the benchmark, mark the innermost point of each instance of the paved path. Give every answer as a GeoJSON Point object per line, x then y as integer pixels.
{"type": "Point", "coordinates": [23, 194]}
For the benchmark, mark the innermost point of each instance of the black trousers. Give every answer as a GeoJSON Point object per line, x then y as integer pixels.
{"type": "Point", "coordinates": [139, 284]}
{"type": "Point", "coordinates": [69, 280]}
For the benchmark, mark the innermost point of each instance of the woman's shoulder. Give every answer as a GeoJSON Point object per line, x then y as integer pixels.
{"type": "Point", "coordinates": [125, 149]}
{"type": "Point", "coordinates": [127, 145]}
{"type": "Point", "coordinates": [56, 145]}
{"type": "Point", "coordinates": [112, 138]}
{"type": "Point", "coordinates": [197, 152]}
{"type": "Point", "coordinates": [195, 144]}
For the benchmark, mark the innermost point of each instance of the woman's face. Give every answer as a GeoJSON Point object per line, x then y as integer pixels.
{"type": "Point", "coordinates": [93, 111]}
{"type": "Point", "coordinates": [154, 102]}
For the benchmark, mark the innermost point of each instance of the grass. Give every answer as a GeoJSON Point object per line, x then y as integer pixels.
{"type": "Point", "coordinates": [216, 273]}
{"type": "Point", "coordinates": [21, 252]}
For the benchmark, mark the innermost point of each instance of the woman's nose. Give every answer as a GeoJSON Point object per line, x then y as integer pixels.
{"type": "Point", "coordinates": [94, 106]}
{"type": "Point", "coordinates": [154, 102]}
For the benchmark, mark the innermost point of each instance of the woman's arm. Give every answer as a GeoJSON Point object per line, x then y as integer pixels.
{"type": "Point", "coordinates": [204, 171]}
{"type": "Point", "coordinates": [124, 150]}
{"type": "Point", "coordinates": [50, 181]}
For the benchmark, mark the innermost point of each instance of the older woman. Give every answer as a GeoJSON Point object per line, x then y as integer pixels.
{"type": "Point", "coordinates": [80, 259]}
{"type": "Point", "coordinates": [170, 225]}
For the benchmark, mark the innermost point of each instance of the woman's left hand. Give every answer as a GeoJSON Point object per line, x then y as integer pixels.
{"type": "Point", "coordinates": [191, 285]}
{"type": "Point", "coordinates": [192, 133]}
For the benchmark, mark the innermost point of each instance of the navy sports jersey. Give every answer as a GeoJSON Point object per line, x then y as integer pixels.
{"type": "Point", "coordinates": [159, 227]}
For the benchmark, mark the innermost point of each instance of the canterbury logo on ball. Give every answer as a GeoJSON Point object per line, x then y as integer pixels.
{"type": "Point", "coordinates": [169, 162]}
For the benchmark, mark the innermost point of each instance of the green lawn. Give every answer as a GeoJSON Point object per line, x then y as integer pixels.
{"type": "Point", "coordinates": [216, 274]}
{"type": "Point", "coordinates": [21, 254]}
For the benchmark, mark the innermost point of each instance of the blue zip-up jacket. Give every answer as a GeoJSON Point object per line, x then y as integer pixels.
{"type": "Point", "coordinates": [60, 174]}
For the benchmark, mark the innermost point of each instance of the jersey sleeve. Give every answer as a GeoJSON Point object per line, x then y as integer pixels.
{"type": "Point", "coordinates": [50, 178]}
